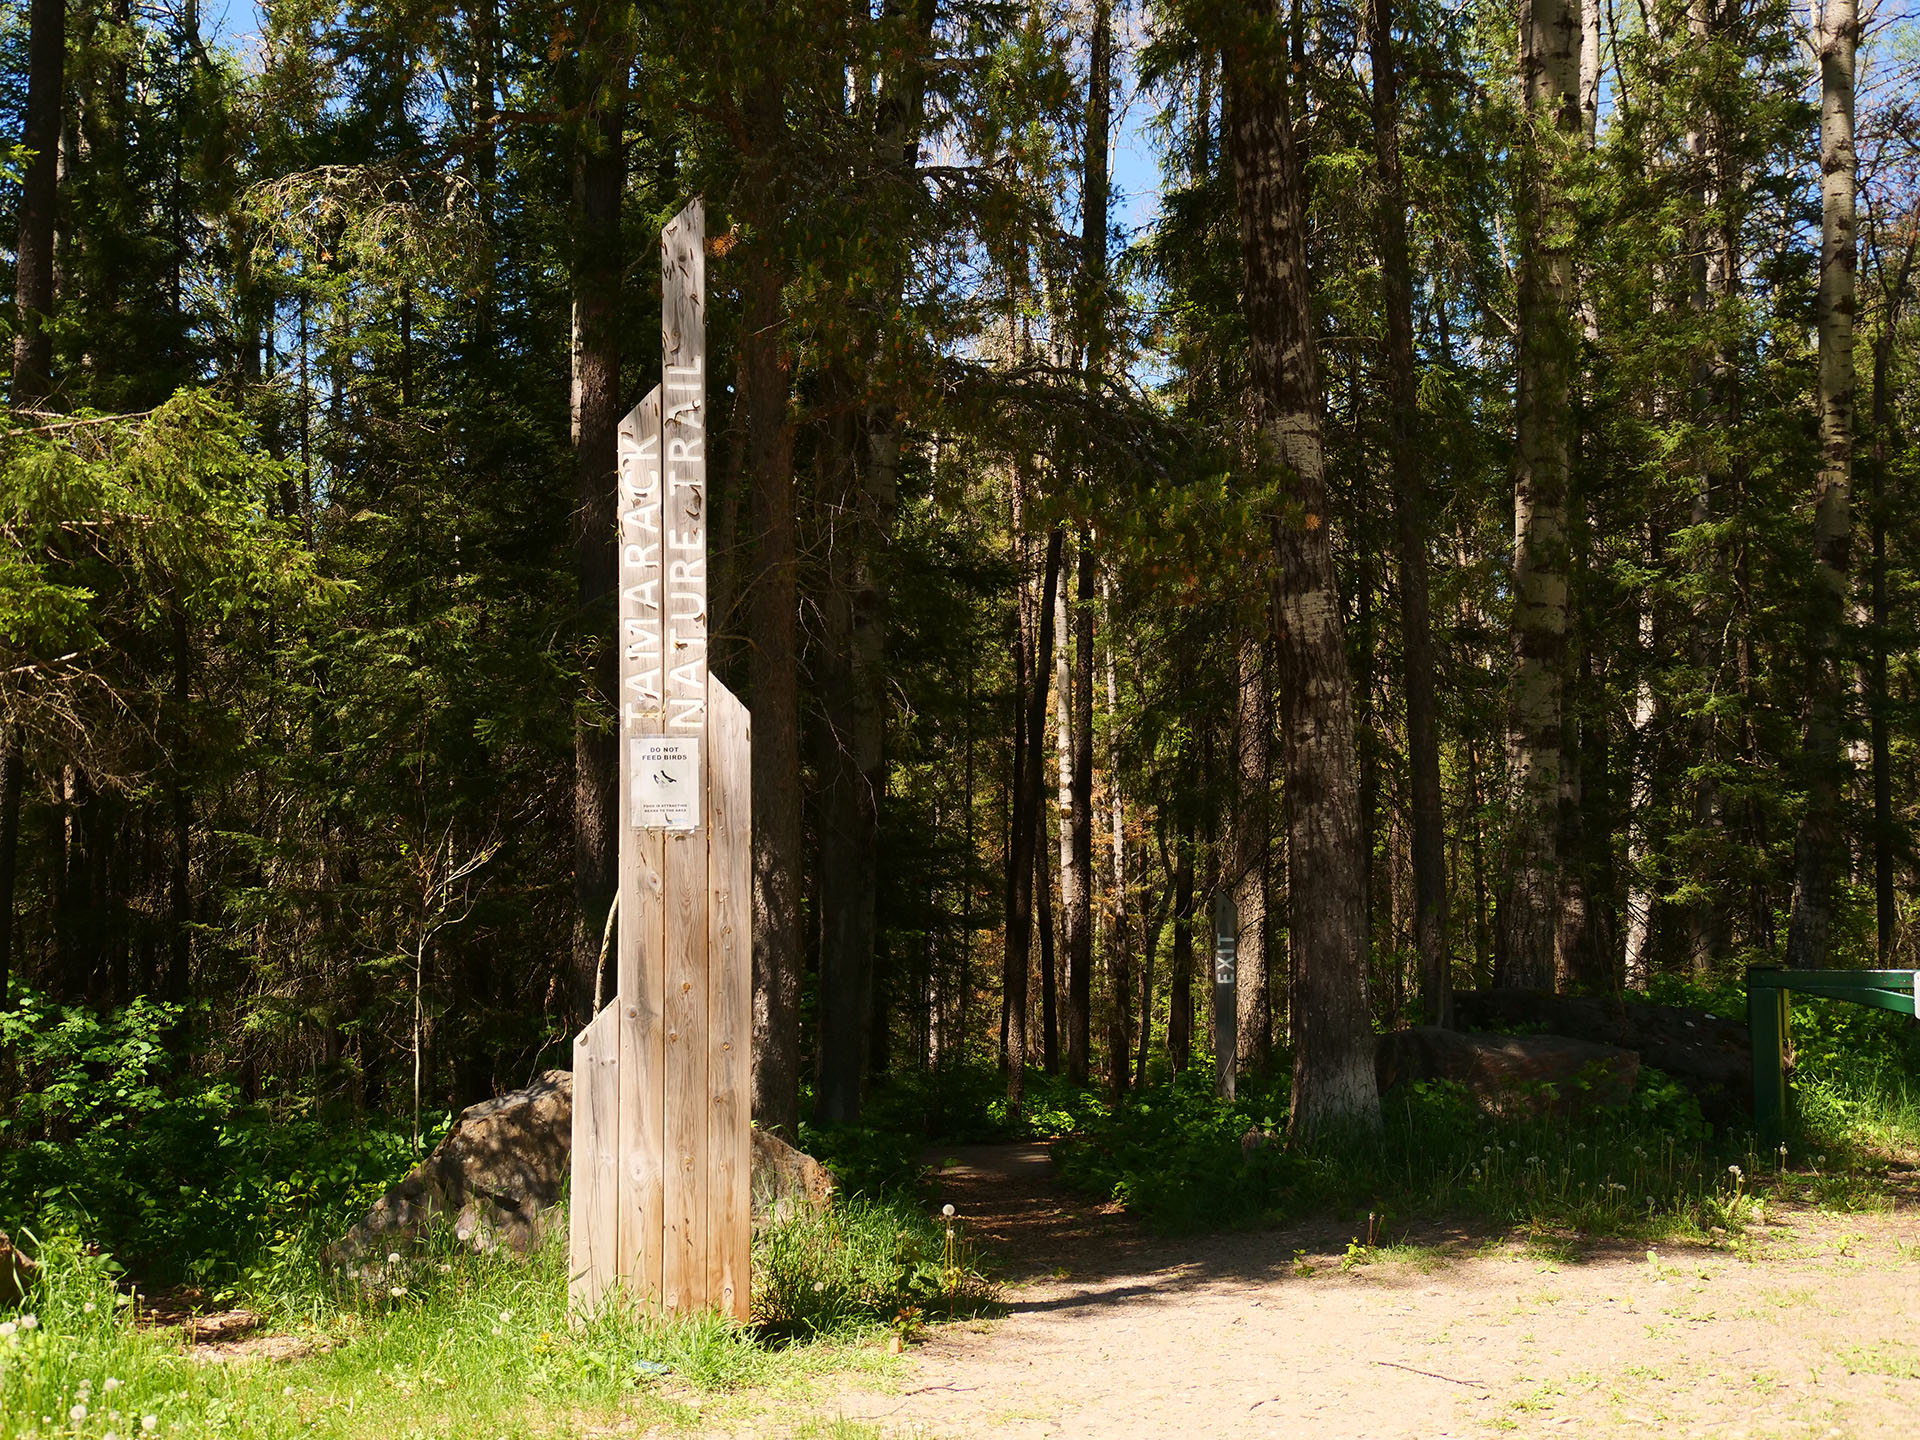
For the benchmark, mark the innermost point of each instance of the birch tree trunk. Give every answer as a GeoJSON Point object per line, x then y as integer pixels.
{"type": "Point", "coordinates": [1816, 851]}
{"type": "Point", "coordinates": [1410, 533]}
{"type": "Point", "coordinates": [1333, 1082]}
{"type": "Point", "coordinates": [1528, 906]}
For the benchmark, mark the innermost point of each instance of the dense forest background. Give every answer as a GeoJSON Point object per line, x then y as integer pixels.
{"type": "Point", "coordinates": [1468, 526]}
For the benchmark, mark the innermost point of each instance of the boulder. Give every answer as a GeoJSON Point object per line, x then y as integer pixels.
{"type": "Point", "coordinates": [1511, 1076]}
{"type": "Point", "coordinates": [786, 1182]}
{"type": "Point", "coordinates": [1709, 1054]}
{"type": "Point", "coordinates": [494, 1178]}
{"type": "Point", "coordinates": [500, 1173]}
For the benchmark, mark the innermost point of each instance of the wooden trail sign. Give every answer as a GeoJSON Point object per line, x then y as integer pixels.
{"type": "Point", "coordinates": [661, 1143]}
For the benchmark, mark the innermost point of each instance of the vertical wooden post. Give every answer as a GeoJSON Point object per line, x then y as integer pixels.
{"type": "Point", "coordinates": [642, 974]}
{"type": "Point", "coordinates": [730, 1003]}
{"type": "Point", "coordinates": [1226, 993]}
{"type": "Point", "coordinates": [684, 511]}
{"type": "Point", "coordinates": [662, 1183]}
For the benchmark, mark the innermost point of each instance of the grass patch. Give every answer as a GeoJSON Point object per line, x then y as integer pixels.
{"type": "Point", "coordinates": [449, 1344]}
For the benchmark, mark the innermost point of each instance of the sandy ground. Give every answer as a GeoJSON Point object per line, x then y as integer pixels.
{"type": "Point", "coordinates": [1111, 1333]}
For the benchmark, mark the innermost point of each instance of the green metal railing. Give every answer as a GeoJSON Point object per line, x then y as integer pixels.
{"type": "Point", "coordinates": [1768, 1015]}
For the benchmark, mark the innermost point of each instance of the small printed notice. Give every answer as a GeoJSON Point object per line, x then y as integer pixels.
{"type": "Point", "coordinates": [1225, 955]}
{"type": "Point", "coordinates": [666, 782]}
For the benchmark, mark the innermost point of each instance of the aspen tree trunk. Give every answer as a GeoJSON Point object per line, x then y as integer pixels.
{"type": "Point", "coordinates": [1044, 928]}
{"type": "Point", "coordinates": [1094, 219]}
{"type": "Point", "coordinates": [1429, 839]}
{"type": "Point", "coordinates": [1252, 847]}
{"type": "Point", "coordinates": [1080, 915]}
{"type": "Point", "coordinates": [1073, 879]}
{"type": "Point", "coordinates": [1023, 835]}
{"type": "Point", "coordinates": [599, 177]}
{"type": "Point", "coordinates": [1638, 960]}
{"type": "Point", "coordinates": [1333, 1080]}
{"type": "Point", "coordinates": [33, 272]}
{"type": "Point", "coordinates": [1816, 850]}
{"type": "Point", "coordinates": [1119, 956]}
{"type": "Point", "coordinates": [778, 838]}
{"type": "Point", "coordinates": [1528, 907]}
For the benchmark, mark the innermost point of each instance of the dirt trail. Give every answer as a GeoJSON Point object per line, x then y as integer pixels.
{"type": "Point", "coordinates": [1113, 1333]}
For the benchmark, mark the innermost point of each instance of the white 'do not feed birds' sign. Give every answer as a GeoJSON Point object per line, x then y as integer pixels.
{"type": "Point", "coordinates": [661, 1209]}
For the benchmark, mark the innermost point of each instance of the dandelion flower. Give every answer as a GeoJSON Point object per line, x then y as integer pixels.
{"type": "Point", "coordinates": [111, 1385]}
{"type": "Point", "coordinates": [1735, 1171]}
{"type": "Point", "coordinates": [393, 1257]}
{"type": "Point", "coordinates": [506, 1316]}
{"type": "Point", "coordinates": [78, 1412]}
{"type": "Point", "coordinates": [7, 1327]}
{"type": "Point", "coordinates": [110, 1435]}
{"type": "Point", "coordinates": [32, 1322]}
{"type": "Point", "coordinates": [947, 1210]}
{"type": "Point", "coordinates": [398, 1292]}
{"type": "Point", "coordinates": [87, 1309]}
{"type": "Point", "coordinates": [149, 1423]}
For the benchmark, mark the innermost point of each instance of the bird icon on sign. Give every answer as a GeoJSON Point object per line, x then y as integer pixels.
{"type": "Point", "coordinates": [665, 777]}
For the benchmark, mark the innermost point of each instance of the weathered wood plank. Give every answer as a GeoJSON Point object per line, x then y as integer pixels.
{"type": "Point", "coordinates": [729, 1002]}
{"type": "Point", "coordinates": [642, 899]}
{"type": "Point", "coordinates": [684, 1276]}
{"type": "Point", "coordinates": [593, 1228]}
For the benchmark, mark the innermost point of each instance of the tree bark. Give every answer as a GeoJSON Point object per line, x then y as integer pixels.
{"type": "Point", "coordinates": [852, 765]}
{"type": "Point", "coordinates": [1074, 881]}
{"type": "Point", "coordinates": [778, 837]}
{"type": "Point", "coordinates": [13, 767]}
{"type": "Point", "coordinates": [1429, 853]}
{"type": "Point", "coordinates": [1023, 834]}
{"type": "Point", "coordinates": [1836, 38]}
{"type": "Point", "coordinates": [1333, 1081]}
{"type": "Point", "coordinates": [1253, 847]}
{"type": "Point", "coordinates": [1550, 37]}
{"type": "Point", "coordinates": [599, 177]}
{"type": "Point", "coordinates": [1180, 971]}
{"type": "Point", "coordinates": [1095, 196]}
{"type": "Point", "coordinates": [33, 273]}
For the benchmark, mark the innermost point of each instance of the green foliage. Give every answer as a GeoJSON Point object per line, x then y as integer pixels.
{"type": "Point", "coordinates": [1176, 1158]}
{"type": "Point", "coordinates": [170, 1171]}
{"type": "Point", "coordinates": [863, 1263]}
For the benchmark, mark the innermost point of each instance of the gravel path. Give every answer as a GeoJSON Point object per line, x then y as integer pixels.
{"type": "Point", "coordinates": [1113, 1333]}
